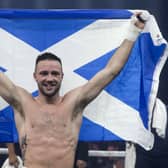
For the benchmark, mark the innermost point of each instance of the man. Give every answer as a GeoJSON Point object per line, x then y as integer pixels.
{"type": "Point", "coordinates": [49, 124]}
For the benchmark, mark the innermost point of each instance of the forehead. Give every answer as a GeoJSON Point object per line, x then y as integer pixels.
{"type": "Point", "coordinates": [48, 65]}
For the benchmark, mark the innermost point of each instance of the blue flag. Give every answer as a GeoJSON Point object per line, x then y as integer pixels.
{"type": "Point", "coordinates": [85, 40]}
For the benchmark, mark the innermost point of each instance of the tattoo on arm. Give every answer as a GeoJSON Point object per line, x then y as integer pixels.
{"type": "Point", "coordinates": [23, 147]}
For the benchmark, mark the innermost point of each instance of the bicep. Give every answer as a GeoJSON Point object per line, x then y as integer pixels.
{"type": "Point", "coordinates": [80, 97]}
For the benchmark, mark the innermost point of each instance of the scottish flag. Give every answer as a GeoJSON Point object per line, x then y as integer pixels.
{"type": "Point", "coordinates": [85, 40]}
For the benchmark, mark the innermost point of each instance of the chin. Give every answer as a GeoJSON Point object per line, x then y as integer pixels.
{"type": "Point", "coordinates": [50, 94]}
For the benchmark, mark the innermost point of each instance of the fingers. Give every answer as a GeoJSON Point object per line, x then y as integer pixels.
{"type": "Point", "coordinates": [133, 29]}
{"type": "Point", "coordinates": [143, 16]}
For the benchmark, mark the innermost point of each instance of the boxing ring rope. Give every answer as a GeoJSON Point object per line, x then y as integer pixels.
{"type": "Point", "coordinates": [92, 153]}
{"type": "Point", "coordinates": [103, 153]}
{"type": "Point", "coordinates": [3, 151]}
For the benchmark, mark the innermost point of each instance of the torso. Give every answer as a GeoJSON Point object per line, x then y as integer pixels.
{"type": "Point", "coordinates": [50, 135]}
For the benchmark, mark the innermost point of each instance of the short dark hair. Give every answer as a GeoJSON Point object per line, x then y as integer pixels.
{"type": "Point", "coordinates": [47, 56]}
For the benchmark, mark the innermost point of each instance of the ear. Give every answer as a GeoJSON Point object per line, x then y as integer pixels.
{"type": "Point", "coordinates": [34, 75]}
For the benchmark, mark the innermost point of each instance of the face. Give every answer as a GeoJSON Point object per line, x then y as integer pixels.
{"type": "Point", "coordinates": [48, 75]}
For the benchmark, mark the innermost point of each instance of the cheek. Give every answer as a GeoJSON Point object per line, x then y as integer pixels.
{"type": "Point", "coordinates": [38, 79]}
{"type": "Point", "coordinates": [59, 78]}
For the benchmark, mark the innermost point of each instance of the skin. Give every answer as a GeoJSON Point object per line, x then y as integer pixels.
{"type": "Point", "coordinates": [49, 124]}
{"type": "Point", "coordinates": [12, 155]}
{"type": "Point", "coordinates": [81, 164]}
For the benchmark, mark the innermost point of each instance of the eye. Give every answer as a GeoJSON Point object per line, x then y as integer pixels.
{"type": "Point", "coordinates": [43, 73]}
{"type": "Point", "coordinates": [55, 73]}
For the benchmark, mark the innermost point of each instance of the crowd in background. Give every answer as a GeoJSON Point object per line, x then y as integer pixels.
{"type": "Point", "coordinates": [106, 162]}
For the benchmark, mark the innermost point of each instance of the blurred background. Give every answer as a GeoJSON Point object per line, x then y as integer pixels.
{"type": "Point", "coordinates": [156, 7]}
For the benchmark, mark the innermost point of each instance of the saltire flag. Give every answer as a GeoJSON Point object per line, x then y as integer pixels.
{"type": "Point", "coordinates": [85, 40]}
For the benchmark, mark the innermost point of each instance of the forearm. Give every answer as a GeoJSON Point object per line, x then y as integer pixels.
{"type": "Point", "coordinates": [6, 87]}
{"type": "Point", "coordinates": [120, 57]}
{"type": "Point", "coordinates": [13, 160]}
{"type": "Point", "coordinates": [11, 153]}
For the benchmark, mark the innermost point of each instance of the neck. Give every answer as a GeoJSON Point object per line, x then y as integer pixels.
{"type": "Point", "coordinates": [48, 100]}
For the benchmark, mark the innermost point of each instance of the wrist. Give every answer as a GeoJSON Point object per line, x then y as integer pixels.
{"type": "Point", "coordinates": [132, 32]}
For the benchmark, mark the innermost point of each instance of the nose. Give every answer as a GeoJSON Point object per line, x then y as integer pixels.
{"type": "Point", "coordinates": [49, 77]}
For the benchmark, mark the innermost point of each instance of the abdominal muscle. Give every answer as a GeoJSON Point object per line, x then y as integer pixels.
{"type": "Point", "coordinates": [47, 152]}
{"type": "Point", "coordinates": [51, 137]}
{"type": "Point", "coordinates": [50, 148]}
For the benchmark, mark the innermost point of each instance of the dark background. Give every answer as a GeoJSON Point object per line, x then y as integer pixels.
{"type": "Point", "coordinates": [156, 7]}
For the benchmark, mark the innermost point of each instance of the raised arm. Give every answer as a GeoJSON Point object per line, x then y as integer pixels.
{"type": "Point", "coordinates": [8, 90]}
{"type": "Point", "coordinates": [91, 90]}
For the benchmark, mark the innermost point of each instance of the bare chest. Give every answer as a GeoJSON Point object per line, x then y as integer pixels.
{"type": "Point", "coordinates": [49, 119]}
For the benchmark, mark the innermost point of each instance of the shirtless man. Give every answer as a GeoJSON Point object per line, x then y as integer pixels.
{"type": "Point", "coordinates": [49, 124]}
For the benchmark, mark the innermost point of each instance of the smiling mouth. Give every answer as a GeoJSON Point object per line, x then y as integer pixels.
{"type": "Point", "coordinates": [50, 86]}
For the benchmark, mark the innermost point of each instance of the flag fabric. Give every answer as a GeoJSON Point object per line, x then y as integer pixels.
{"type": "Point", "coordinates": [85, 40]}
